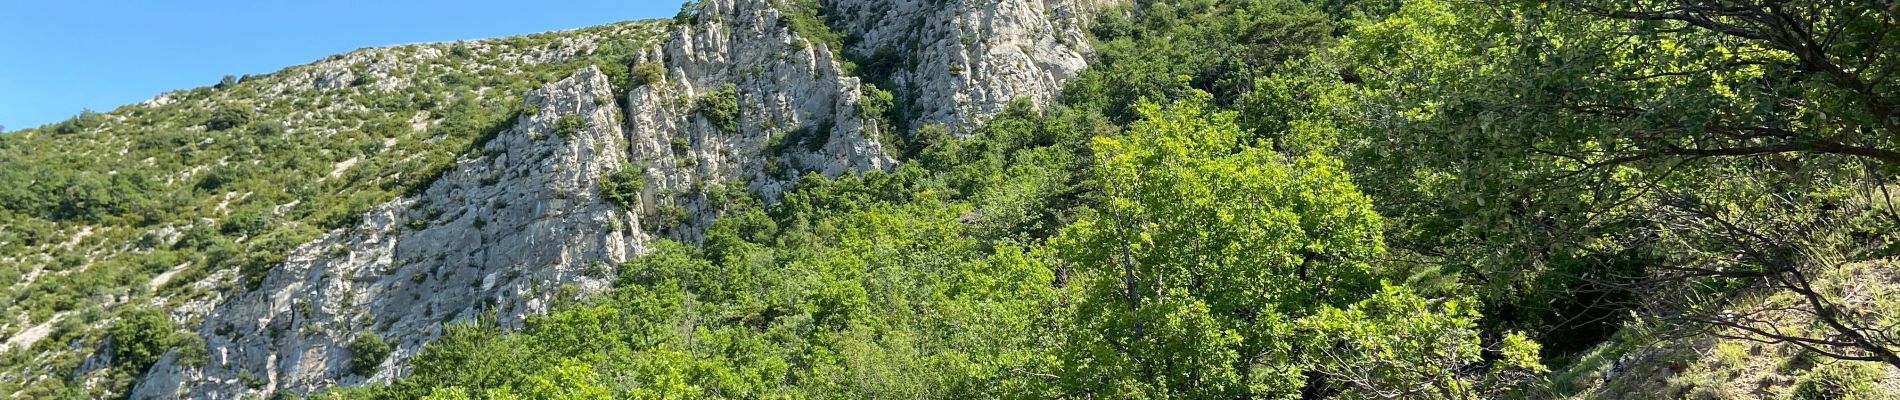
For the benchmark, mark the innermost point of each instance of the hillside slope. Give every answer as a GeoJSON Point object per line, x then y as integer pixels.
{"type": "Point", "coordinates": [429, 184]}
{"type": "Point", "coordinates": [993, 199]}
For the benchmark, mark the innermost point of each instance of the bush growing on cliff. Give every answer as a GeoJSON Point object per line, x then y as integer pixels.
{"type": "Point", "coordinates": [648, 73]}
{"type": "Point", "coordinates": [140, 337]}
{"type": "Point", "coordinates": [874, 104]}
{"type": "Point", "coordinates": [721, 107]}
{"type": "Point", "coordinates": [367, 352]}
{"type": "Point", "coordinates": [566, 126]}
{"type": "Point", "coordinates": [804, 19]}
{"type": "Point", "coordinates": [623, 186]}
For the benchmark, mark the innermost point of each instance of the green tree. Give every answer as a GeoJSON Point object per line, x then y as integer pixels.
{"type": "Point", "coordinates": [1617, 147]}
{"type": "Point", "coordinates": [1399, 345]}
{"type": "Point", "coordinates": [140, 337]}
{"type": "Point", "coordinates": [1164, 51]}
{"type": "Point", "coordinates": [367, 353]}
{"type": "Point", "coordinates": [1205, 252]}
{"type": "Point", "coordinates": [570, 380]}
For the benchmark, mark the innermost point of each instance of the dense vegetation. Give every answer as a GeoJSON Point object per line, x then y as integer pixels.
{"type": "Point", "coordinates": [1238, 199]}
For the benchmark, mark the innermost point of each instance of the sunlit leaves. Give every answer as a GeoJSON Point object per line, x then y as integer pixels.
{"type": "Point", "coordinates": [1201, 248]}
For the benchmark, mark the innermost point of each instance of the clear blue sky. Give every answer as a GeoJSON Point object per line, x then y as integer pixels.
{"type": "Point", "coordinates": [60, 56]}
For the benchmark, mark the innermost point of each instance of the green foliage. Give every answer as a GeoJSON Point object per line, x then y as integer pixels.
{"type": "Point", "coordinates": [367, 352]}
{"type": "Point", "coordinates": [721, 107]}
{"type": "Point", "coordinates": [1206, 251]}
{"type": "Point", "coordinates": [623, 186]}
{"type": "Point", "coordinates": [244, 222]}
{"type": "Point", "coordinates": [1170, 49]}
{"type": "Point", "coordinates": [567, 125]}
{"type": "Point", "coordinates": [689, 12]}
{"type": "Point", "coordinates": [1238, 199]}
{"type": "Point", "coordinates": [805, 19]}
{"type": "Point", "coordinates": [1841, 380]}
{"type": "Point", "coordinates": [874, 104]}
{"type": "Point", "coordinates": [1398, 344]}
{"type": "Point", "coordinates": [855, 286]}
{"type": "Point", "coordinates": [811, 138]}
{"type": "Point", "coordinates": [86, 120]}
{"type": "Point", "coordinates": [1551, 154]}
{"type": "Point", "coordinates": [1056, 253]}
{"type": "Point", "coordinates": [228, 118]}
{"type": "Point", "coordinates": [139, 337]}
{"type": "Point", "coordinates": [648, 73]}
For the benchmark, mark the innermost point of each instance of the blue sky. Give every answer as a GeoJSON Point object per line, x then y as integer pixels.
{"type": "Point", "coordinates": [60, 56]}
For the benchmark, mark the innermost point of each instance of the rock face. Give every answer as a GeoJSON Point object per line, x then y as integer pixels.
{"type": "Point", "coordinates": [797, 113]}
{"type": "Point", "coordinates": [960, 62]}
{"type": "Point", "coordinates": [508, 230]}
{"type": "Point", "coordinates": [521, 223]}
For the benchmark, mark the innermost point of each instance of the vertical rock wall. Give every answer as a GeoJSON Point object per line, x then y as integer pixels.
{"type": "Point", "coordinates": [962, 61]}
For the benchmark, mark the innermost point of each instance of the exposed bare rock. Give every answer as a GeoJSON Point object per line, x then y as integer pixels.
{"type": "Point", "coordinates": [742, 102]}
{"type": "Point", "coordinates": [507, 231]}
{"type": "Point", "coordinates": [964, 61]}
{"type": "Point", "coordinates": [797, 113]}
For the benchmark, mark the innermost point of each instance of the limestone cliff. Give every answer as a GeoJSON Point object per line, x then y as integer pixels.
{"type": "Point", "coordinates": [522, 223]}
{"type": "Point", "coordinates": [507, 231]}
{"type": "Point", "coordinates": [960, 62]}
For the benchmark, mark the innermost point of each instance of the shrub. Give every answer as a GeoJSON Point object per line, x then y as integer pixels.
{"type": "Point", "coordinates": [191, 350]}
{"type": "Point", "coordinates": [244, 222]}
{"type": "Point", "coordinates": [1839, 380]}
{"type": "Point", "coordinates": [722, 108]}
{"type": "Point", "coordinates": [268, 128]}
{"type": "Point", "coordinates": [622, 187]}
{"type": "Point", "coordinates": [802, 16]}
{"type": "Point", "coordinates": [86, 120]}
{"type": "Point", "coordinates": [460, 50]}
{"type": "Point", "coordinates": [875, 103]}
{"type": "Point", "coordinates": [140, 337]}
{"type": "Point", "coordinates": [648, 73]}
{"type": "Point", "coordinates": [689, 12]}
{"type": "Point", "coordinates": [367, 352]}
{"type": "Point", "coordinates": [811, 138]}
{"type": "Point", "coordinates": [567, 125]}
{"type": "Point", "coordinates": [227, 118]}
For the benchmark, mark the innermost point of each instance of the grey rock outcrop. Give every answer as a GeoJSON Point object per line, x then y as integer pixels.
{"type": "Point", "coordinates": [521, 223]}
{"type": "Point", "coordinates": [960, 62]}
{"type": "Point", "coordinates": [798, 113]}
{"type": "Point", "coordinates": [507, 231]}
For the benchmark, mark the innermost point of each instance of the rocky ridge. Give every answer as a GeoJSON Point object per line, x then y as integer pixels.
{"type": "Point", "coordinates": [508, 230]}
{"type": "Point", "coordinates": [960, 62]}
{"type": "Point", "coordinates": [522, 223]}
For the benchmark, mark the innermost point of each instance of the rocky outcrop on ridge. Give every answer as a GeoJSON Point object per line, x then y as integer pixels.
{"type": "Point", "coordinates": [960, 62]}
{"type": "Point", "coordinates": [507, 232]}
{"type": "Point", "coordinates": [522, 223]}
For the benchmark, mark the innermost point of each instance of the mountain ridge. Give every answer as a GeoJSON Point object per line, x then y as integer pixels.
{"type": "Point", "coordinates": [977, 199]}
